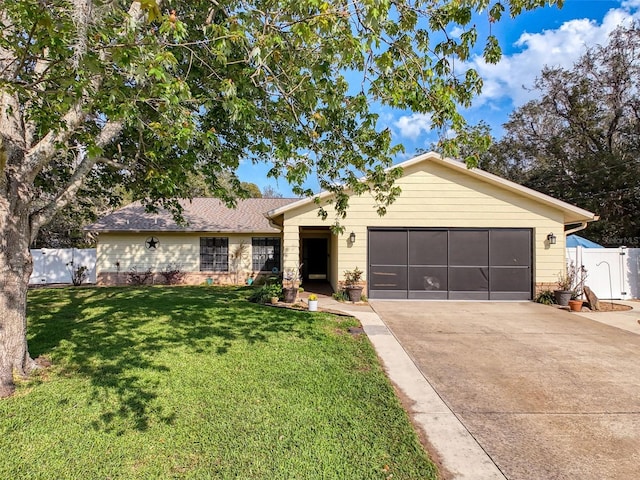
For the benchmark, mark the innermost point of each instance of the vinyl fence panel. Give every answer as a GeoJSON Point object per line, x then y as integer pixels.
{"type": "Point", "coordinates": [55, 265]}
{"type": "Point", "coordinates": [612, 273]}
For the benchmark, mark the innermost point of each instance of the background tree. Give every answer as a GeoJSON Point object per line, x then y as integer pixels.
{"type": "Point", "coordinates": [65, 230]}
{"type": "Point", "coordinates": [146, 94]}
{"type": "Point", "coordinates": [270, 192]}
{"type": "Point", "coordinates": [251, 189]}
{"type": "Point", "coordinates": [580, 140]}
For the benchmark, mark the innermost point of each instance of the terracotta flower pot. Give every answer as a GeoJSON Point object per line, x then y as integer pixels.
{"type": "Point", "coordinates": [575, 305]}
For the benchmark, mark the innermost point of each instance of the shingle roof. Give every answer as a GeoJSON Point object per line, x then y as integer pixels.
{"type": "Point", "coordinates": [200, 214]}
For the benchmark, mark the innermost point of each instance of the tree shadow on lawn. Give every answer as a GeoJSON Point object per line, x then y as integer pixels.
{"type": "Point", "coordinates": [109, 334]}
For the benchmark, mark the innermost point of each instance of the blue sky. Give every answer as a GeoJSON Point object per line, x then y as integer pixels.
{"type": "Point", "coordinates": [547, 36]}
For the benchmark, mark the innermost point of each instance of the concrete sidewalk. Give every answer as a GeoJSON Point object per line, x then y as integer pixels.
{"type": "Point", "coordinates": [459, 453]}
{"type": "Point", "coordinates": [628, 320]}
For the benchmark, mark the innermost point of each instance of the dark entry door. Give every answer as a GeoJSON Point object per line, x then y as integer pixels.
{"type": "Point", "coordinates": [450, 263]}
{"type": "Point", "coordinates": [314, 258]}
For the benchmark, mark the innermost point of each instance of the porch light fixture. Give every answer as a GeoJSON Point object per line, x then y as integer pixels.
{"type": "Point", "coordinates": [551, 238]}
{"type": "Point", "coordinates": [352, 237]}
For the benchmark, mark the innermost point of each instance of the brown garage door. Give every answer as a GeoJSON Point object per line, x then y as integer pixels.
{"type": "Point", "coordinates": [450, 263]}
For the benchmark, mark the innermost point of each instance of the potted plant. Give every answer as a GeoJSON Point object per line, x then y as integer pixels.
{"type": "Point", "coordinates": [570, 284]}
{"type": "Point", "coordinates": [292, 276]}
{"type": "Point", "coordinates": [563, 292]}
{"type": "Point", "coordinates": [352, 286]}
{"type": "Point", "coordinates": [313, 302]}
{"type": "Point", "coordinates": [575, 304]}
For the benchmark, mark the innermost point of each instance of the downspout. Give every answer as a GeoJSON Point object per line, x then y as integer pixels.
{"type": "Point", "coordinates": [274, 225]}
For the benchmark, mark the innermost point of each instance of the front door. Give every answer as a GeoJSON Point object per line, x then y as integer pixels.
{"type": "Point", "coordinates": [314, 258]}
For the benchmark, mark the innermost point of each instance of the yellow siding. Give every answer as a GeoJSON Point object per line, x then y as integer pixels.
{"type": "Point", "coordinates": [129, 250]}
{"type": "Point", "coordinates": [436, 196]}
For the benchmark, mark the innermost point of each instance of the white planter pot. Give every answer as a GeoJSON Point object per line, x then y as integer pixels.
{"type": "Point", "coordinates": [313, 305]}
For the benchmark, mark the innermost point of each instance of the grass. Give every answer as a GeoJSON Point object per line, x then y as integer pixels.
{"type": "Point", "coordinates": [195, 382]}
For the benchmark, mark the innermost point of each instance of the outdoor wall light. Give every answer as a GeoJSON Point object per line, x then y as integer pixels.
{"type": "Point", "coordinates": [352, 237]}
{"type": "Point", "coordinates": [551, 238]}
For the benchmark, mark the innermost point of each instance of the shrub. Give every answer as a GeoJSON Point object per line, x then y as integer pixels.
{"type": "Point", "coordinates": [139, 278]}
{"type": "Point", "coordinates": [546, 297]}
{"type": "Point", "coordinates": [265, 293]}
{"type": "Point", "coordinates": [341, 296]}
{"type": "Point", "coordinates": [173, 274]}
{"type": "Point", "coordinates": [78, 275]}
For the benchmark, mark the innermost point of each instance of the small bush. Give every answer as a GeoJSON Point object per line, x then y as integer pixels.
{"type": "Point", "coordinates": [78, 275]}
{"type": "Point", "coordinates": [341, 296]}
{"type": "Point", "coordinates": [139, 278]}
{"type": "Point", "coordinates": [265, 293]}
{"type": "Point", "coordinates": [173, 274]}
{"type": "Point", "coordinates": [546, 297]}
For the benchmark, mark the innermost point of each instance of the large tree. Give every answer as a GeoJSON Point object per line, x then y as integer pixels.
{"type": "Point", "coordinates": [148, 94]}
{"type": "Point", "coordinates": [580, 139]}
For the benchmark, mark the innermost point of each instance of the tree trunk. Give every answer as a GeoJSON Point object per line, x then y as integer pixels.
{"type": "Point", "coordinates": [16, 266]}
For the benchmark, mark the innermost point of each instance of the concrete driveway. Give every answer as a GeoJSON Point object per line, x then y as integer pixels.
{"type": "Point", "coordinates": [546, 393]}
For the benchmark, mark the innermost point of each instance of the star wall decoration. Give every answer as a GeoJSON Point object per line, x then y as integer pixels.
{"type": "Point", "coordinates": [152, 243]}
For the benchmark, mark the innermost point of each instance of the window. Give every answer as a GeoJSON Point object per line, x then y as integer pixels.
{"type": "Point", "coordinates": [214, 254]}
{"type": "Point", "coordinates": [265, 253]}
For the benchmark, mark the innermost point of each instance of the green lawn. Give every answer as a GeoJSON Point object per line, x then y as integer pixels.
{"type": "Point", "coordinates": [195, 382]}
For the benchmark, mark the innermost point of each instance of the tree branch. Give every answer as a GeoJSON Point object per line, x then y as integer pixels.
{"type": "Point", "coordinates": [107, 135]}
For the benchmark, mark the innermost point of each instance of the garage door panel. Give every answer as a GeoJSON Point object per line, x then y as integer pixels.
{"type": "Point", "coordinates": [427, 295]}
{"type": "Point", "coordinates": [509, 296]}
{"type": "Point", "coordinates": [388, 247]}
{"type": "Point", "coordinates": [428, 247]}
{"type": "Point", "coordinates": [469, 247]}
{"type": "Point", "coordinates": [388, 278]}
{"type": "Point", "coordinates": [469, 279]}
{"type": "Point", "coordinates": [428, 278]}
{"type": "Point", "coordinates": [510, 247]}
{"type": "Point", "coordinates": [469, 295]}
{"type": "Point", "coordinates": [510, 279]}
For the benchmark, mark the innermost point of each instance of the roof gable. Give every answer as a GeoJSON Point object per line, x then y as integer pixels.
{"type": "Point", "coordinates": [201, 214]}
{"type": "Point", "coordinates": [572, 214]}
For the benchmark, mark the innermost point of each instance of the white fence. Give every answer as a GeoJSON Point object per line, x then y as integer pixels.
{"type": "Point", "coordinates": [612, 273]}
{"type": "Point", "coordinates": [55, 265]}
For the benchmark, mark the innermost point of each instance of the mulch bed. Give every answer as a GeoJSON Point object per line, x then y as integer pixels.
{"type": "Point", "coordinates": [607, 306]}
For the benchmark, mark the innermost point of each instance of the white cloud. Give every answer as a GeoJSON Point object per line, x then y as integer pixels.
{"type": "Point", "coordinates": [414, 125]}
{"type": "Point", "coordinates": [557, 48]}
{"type": "Point", "coordinates": [456, 31]}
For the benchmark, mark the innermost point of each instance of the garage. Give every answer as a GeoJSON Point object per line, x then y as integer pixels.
{"type": "Point", "coordinates": [450, 263]}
